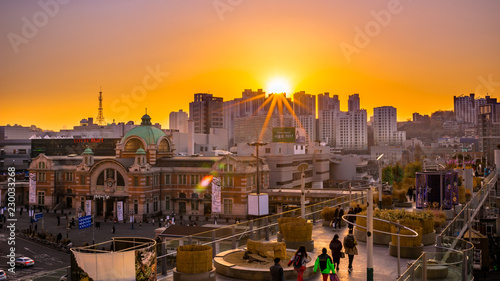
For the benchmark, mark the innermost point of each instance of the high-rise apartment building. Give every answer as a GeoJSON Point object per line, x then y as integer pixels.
{"type": "Point", "coordinates": [178, 120]}
{"type": "Point", "coordinates": [351, 130]}
{"type": "Point", "coordinates": [326, 126]}
{"type": "Point", "coordinates": [250, 104]}
{"type": "Point", "coordinates": [466, 109]}
{"type": "Point", "coordinates": [353, 103]}
{"type": "Point", "coordinates": [385, 127]}
{"type": "Point", "coordinates": [489, 127]}
{"type": "Point", "coordinates": [304, 104]}
{"type": "Point", "coordinates": [207, 112]}
{"type": "Point", "coordinates": [325, 102]}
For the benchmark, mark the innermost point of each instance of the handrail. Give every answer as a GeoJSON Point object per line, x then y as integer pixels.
{"type": "Point", "coordinates": [334, 202]}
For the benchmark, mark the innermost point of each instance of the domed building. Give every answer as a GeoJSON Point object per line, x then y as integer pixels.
{"type": "Point", "coordinates": [144, 180]}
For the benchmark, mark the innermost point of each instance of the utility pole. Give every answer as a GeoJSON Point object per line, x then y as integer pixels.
{"type": "Point", "coordinates": [380, 180]}
{"type": "Point", "coordinates": [369, 235]}
{"type": "Point", "coordinates": [302, 168]}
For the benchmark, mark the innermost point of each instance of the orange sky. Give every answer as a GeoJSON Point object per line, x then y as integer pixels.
{"type": "Point", "coordinates": [416, 61]}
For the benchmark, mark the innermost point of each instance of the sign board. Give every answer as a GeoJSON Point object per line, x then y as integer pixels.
{"type": "Point", "coordinates": [88, 207]}
{"type": "Point", "coordinates": [258, 204]}
{"type": "Point", "coordinates": [216, 195]}
{"type": "Point", "coordinates": [32, 189]}
{"type": "Point", "coordinates": [37, 216]}
{"type": "Point", "coordinates": [119, 210]}
{"type": "Point", "coordinates": [284, 134]}
{"type": "Point", "coordinates": [84, 222]}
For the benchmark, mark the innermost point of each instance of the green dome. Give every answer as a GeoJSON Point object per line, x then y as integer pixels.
{"type": "Point", "coordinates": [149, 134]}
{"type": "Point", "coordinates": [140, 151]}
{"type": "Point", "coordinates": [88, 151]}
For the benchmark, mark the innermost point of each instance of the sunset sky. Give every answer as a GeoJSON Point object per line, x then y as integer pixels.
{"type": "Point", "coordinates": [413, 55]}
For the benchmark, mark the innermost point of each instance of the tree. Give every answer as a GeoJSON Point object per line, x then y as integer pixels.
{"type": "Point", "coordinates": [387, 175]}
{"type": "Point", "coordinates": [412, 168]}
{"type": "Point", "coordinates": [397, 173]}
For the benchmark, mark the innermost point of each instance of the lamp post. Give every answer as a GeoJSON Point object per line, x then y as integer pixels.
{"type": "Point", "coordinates": [380, 180]}
{"type": "Point", "coordinates": [369, 235]}
{"type": "Point", "coordinates": [302, 168]}
{"type": "Point", "coordinates": [256, 145]}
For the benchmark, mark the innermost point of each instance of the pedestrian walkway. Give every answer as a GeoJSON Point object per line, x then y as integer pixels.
{"type": "Point", "coordinates": [384, 265]}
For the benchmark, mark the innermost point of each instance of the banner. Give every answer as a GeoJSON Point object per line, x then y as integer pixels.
{"type": "Point", "coordinates": [119, 210]}
{"type": "Point", "coordinates": [284, 134]}
{"type": "Point", "coordinates": [88, 207]}
{"type": "Point", "coordinates": [216, 200]}
{"type": "Point", "coordinates": [32, 191]}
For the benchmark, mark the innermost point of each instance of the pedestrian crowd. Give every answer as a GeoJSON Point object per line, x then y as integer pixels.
{"type": "Point", "coordinates": [329, 266]}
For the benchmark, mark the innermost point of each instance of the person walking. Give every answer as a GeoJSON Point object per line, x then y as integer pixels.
{"type": "Point", "coordinates": [325, 265]}
{"type": "Point", "coordinates": [358, 209]}
{"type": "Point", "coordinates": [276, 271]}
{"type": "Point", "coordinates": [113, 230]}
{"type": "Point", "coordinates": [339, 218]}
{"type": "Point", "coordinates": [336, 248]}
{"type": "Point", "coordinates": [335, 215]}
{"type": "Point", "coordinates": [299, 261]}
{"type": "Point", "coordinates": [410, 193]}
{"type": "Point", "coordinates": [350, 248]}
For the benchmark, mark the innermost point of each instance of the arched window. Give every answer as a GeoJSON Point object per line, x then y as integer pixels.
{"type": "Point", "coordinates": [164, 146]}
{"type": "Point", "coordinates": [110, 174]}
{"type": "Point", "coordinates": [133, 144]}
{"type": "Point", "coordinates": [182, 195]}
{"type": "Point", "coordinates": [194, 195]}
{"type": "Point", "coordinates": [207, 196]}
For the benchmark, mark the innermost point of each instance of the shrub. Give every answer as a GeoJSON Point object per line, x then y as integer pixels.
{"type": "Point", "coordinates": [386, 200]}
{"type": "Point", "coordinates": [327, 213]}
{"type": "Point", "coordinates": [468, 195]}
{"type": "Point", "coordinates": [400, 195]}
{"type": "Point", "coordinates": [461, 194]}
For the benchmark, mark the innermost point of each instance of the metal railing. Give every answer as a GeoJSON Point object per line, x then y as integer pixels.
{"type": "Point", "coordinates": [449, 247]}
{"type": "Point", "coordinates": [236, 236]}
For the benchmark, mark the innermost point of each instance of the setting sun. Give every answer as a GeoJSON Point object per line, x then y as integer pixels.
{"type": "Point", "coordinates": [279, 85]}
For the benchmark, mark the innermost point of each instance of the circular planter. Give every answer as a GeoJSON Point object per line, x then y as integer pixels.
{"type": "Point", "coordinates": [205, 276]}
{"type": "Point", "coordinates": [193, 259]}
{"type": "Point", "coordinates": [295, 245]}
{"type": "Point", "coordinates": [378, 238]}
{"type": "Point", "coordinates": [406, 252]}
{"type": "Point", "coordinates": [429, 238]}
{"type": "Point", "coordinates": [247, 273]}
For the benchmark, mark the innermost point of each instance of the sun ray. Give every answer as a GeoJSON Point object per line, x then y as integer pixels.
{"type": "Point", "coordinates": [268, 118]}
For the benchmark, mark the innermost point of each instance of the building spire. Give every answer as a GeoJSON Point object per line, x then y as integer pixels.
{"type": "Point", "coordinates": [100, 116]}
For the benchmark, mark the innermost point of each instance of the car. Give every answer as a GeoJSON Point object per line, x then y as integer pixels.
{"type": "Point", "coordinates": [24, 261]}
{"type": "Point", "coordinates": [3, 276]}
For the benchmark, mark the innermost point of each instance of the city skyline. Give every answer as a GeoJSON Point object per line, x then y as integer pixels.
{"type": "Point", "coordinates": [414, 56]}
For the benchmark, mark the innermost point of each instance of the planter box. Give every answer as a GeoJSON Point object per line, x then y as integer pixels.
{"type": "Point", "coordinates": [406, 252]}
{"type": "Point", "coordinates": [295, 245]}
{"type": "Point", "coordinates": [403, 204]}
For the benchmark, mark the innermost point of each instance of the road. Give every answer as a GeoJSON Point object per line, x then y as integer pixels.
{"type": "Point", "coordinates": [46, 259]}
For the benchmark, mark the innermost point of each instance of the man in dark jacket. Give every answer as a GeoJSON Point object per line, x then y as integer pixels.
{"type": "Point", "coordinates": [336, 248]}
{"type": "Point", "coordinates": [276, 271]}
{"type": "Point", "coordinates": [339, 218]}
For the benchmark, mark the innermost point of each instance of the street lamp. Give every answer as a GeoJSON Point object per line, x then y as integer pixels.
{"type": "Point", "coordinates": [302, 168]}
{"type": "Point", "coordinates": [256, 145]}
{"type": "Point", "coordinates": [380, 179]}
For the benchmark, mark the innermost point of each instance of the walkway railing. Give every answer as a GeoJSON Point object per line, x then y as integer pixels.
{"type": "Point", "coordinates": [449, 242]}
{"type": "Point", "coordinates": [236, 236]}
